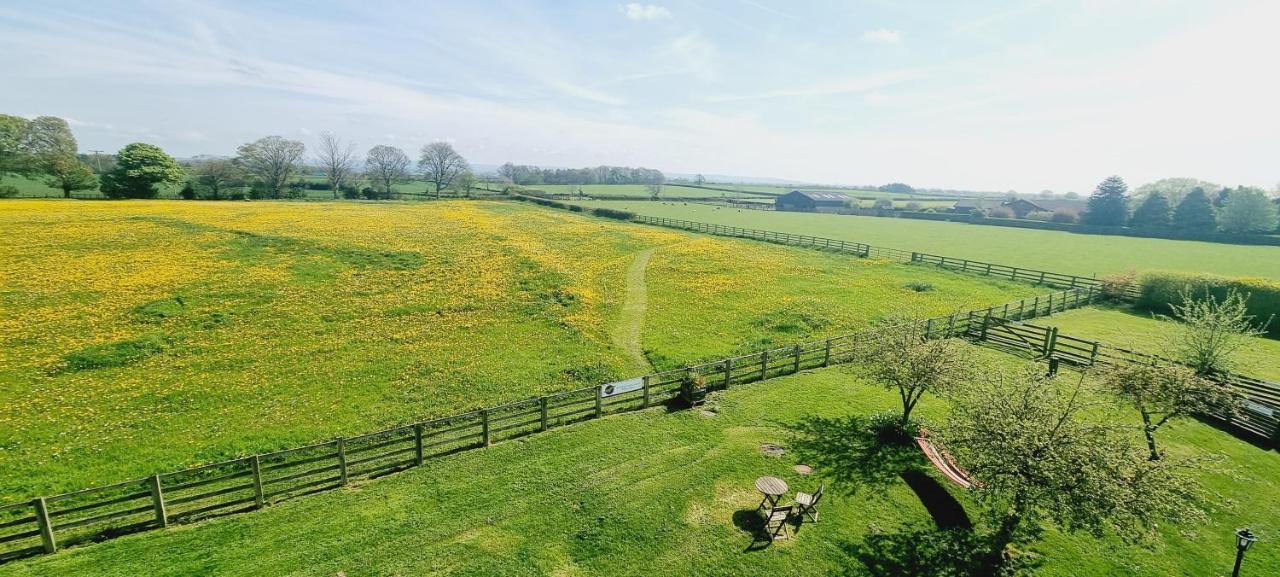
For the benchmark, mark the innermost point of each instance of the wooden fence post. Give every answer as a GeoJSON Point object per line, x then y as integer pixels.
{"type": "Point", "coordinates": [764, 364]}
{"type": "Point", "coordinates": [795, 366]}
{"type": "Point", "coordinates": [542, 408]}
{"type": "Point", "coordinates": [1035, 307]}
{"type": "Point", "coordinates": [342, 460]}
{"type": "Point", "coordinates": [1022, 309]}
{"type": "Point", "coordinates": [484, 426]}
{"type": "Point", "coordinates": [986, 322]}
{"type": "Point", "coordinates": [157, 502]}
{"type": "Point", "coordinates": [1051, 342]}
{"type": "Point", "coordinates": [1049, 309]}
{"type": "Point", "coordinates": [915, 257]}
{"type": "Point", "coordinates": [928, 328]}
{"type": "Point", "coordinates": [256, 467]}
{"type": "Point", "coordinates": [728, 372]}
{"type": "Point", "coordinates": [826, 355]}
{"type": "Point", "coordinates": [1041, 277]}
{"type": "Point", "coordinates": [46, 528]}
{"type": "Point", "coordinates": [1093, 356]}
{"type": "Point", "coordinates": [417, 444]}
{"type": "Point", "coordinates": [599, 402]}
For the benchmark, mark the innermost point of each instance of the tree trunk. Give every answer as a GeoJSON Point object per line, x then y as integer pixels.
{"type": "Point", "coordinates": [66, 193]}
{"type": "Point", "coordinates": [1150, 432]}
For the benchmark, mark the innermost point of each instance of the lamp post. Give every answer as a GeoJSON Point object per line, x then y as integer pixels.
{"type": "Point", "coordinates": [1244, 540]}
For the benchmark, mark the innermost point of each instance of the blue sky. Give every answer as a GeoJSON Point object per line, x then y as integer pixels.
{"type": "Point", "coordinates": [1025, 95]}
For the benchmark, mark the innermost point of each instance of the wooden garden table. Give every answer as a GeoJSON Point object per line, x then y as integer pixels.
{"type": "Point", "coordinates": [773, 489]}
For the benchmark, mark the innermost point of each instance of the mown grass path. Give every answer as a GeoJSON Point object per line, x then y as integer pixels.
{"type": "Point", "coordinates": [627, 332]}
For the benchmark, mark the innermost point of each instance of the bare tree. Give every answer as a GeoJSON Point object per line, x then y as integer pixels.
{"type": "Point", "coordinates": [441, 164]}
{"type": "Point", "coordinates": [337, 160]}
{"type": "Point", "coordinates": [273, 160]}
{"type": "Point", "coordinates": [385, 166]}
{"type": "Point", "coordinates": [217, 174]}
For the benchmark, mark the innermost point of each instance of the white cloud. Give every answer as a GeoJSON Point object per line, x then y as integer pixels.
{"type": "Point", "coordinates": [882, 36]}
{"type": "Point", "coordinates": [642, 12]}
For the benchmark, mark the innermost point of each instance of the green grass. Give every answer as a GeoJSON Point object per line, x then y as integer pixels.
{"type": "Point", "coordinates": [145, 336]}
{"type": "Point", "coordinates": [1140, 331]}
{"type": "Point", "coordinates": [607, 190]}
{"type": "Point", "coordinates": [1057, 251]}
{"type": "Point", "coordinates": [658, 493]}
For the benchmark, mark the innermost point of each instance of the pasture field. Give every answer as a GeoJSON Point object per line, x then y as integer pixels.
{"type": "Point", "coordinates": [607, 190]}
{"type": "Point", "coordinates": [1079, 254]}
{"type": "Point", "coordinates": [35, 187]}
{"type": "Point", "coordinates": [1141, 331]}
{"type": "Point", "coordinates": [144, 336]}
{"type": "Point", "coordinates": [670, 493]}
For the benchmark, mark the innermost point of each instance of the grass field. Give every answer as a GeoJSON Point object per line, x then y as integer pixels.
{"type": "Point", "coordinates": [1140, 331]}
{"type": "Point", "coordinates": [659, 493]}
{"type": "Point", "coordinates": [1079, 254]}
{"type": "Point", "coordinates": [142, 336]}
{"type": "Point", "coordinates": [607, 190]}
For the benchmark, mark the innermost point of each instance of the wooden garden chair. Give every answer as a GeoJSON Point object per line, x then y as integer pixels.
{"type": "Point", "coordinates": [808, 504]}
{"type": "Point", "coordinates": [775, 523]}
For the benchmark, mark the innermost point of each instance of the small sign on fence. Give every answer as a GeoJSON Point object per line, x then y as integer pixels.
{"type": "Point", "coordinates": [617, 388]}
{"type": "Point", "coordinates": [1259, 409]}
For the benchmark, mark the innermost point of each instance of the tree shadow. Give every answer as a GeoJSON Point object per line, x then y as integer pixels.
{"type": "Point", "coordinates": [855, 452]}
{"type": "Point", "coordinates": [946, 511]}
{"type": "Point", "coordinates": [924, 552]}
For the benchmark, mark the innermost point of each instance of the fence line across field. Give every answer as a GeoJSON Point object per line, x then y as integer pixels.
{"type": "Point", "coordinates": [251, 482]}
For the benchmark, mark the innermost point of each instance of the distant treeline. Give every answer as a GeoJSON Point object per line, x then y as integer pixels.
{"type": "Point", "coordinates": [533, 175]}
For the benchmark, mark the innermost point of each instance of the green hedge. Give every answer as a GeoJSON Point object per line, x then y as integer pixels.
{"type": "Point", "coordinates": [1161, 289]}
{"type": "Point", "coordinates": [613, 213]}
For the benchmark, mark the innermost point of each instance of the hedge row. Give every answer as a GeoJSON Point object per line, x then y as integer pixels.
{"type": "Point", "coordinates": [604, 212]}
{"type": "Point", "coordinates": [1162, 289]}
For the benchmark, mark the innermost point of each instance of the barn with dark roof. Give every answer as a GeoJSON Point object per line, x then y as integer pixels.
{"type": "Point", "coordinates": [807, 201]}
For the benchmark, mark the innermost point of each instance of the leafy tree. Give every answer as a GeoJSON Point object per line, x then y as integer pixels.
{"type": "Point", "coordinates": [1071, 195]}
{"type": "Point", "coordinates": [337, 160]}
{"type": "Point", "coordinates": [1195, 212]}
{"type": "Point", "coordinates": [140, 167]}
{"type": "Point", "coordinates": [900, 357]}
{"type": "Point", "coordinates": [1174, 189]}
{"type": "Point", "coordinates": [1212, 331]}
{"type": "Point", "coordinates": [29, 146]}
{"type": "Point", "coordinates": [699, 180]}
{"type": "Point", "coordinates": [385, 166]}
{"type": "Point", "coordinates": [441, 164]}
{"type": "Point", "coordinates": [654, 190]}
{"type": "Point", "coordinates": [1163, 391]}
{"type": "Point", "coordinates": [215, 175]}
{"type": "Point", "coordinates": [1035, 458]}
{"type": "Point", "coordinates": [50, 135]}
{"type": "Point", "coordinates": [1154, 212]}
{"type": "Point", "coordinates": [896, 187]}
{"type": "Point", "coordinates": [1222, 197]}
{"type": "Point", "coordinates": [1247, 210]}
{"type": "Point", "coordinates": [465, 183]}
{"type": "Point", "coordinates": [1108, 205]}
{"type": "Point", "coordinates": [13, 144]}
{"type": "Point", "coordinates": [68, 174]}
{"type": "Point", "coordinates": [273, 160]}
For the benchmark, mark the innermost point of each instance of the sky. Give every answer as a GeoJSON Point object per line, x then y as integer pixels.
{"type": "Point", "coordinates": [979, 95]}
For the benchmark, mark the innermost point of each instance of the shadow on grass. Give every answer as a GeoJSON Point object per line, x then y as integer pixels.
{"type": "Point", "coordinates": [752, 521]}
{"type": "Point", "coordinates": [855, 452]}
{"type": "Point", "coordinates": [929, 552]}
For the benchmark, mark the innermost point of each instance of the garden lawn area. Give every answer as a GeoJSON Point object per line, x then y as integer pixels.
{"type": "Point", "coordinates": [1141, 331]}
{"type": "Point", "coordinates": [1057, 251]}
{"type": "Point", "coordinates": [139, 337]}
{"type": "Point", "coordinates": [663, 493]}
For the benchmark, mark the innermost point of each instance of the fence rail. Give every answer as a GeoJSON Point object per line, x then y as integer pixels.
{"type": "Point", "coordinates": [1258, 416]}
{"type": "Point", "coordinates": [1041, 277]}
{"type": "Point", "coordinates": [243, 484]}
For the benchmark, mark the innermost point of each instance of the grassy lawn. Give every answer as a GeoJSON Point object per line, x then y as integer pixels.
{"type": "Point", "coordinates": [1057, 251]}
{"type": "Point", "coordinates": [1140, 331]}
{"type": "Point", "coordinates": [659, 493]}
{"type": "Point", "coordinates": [144, 336]}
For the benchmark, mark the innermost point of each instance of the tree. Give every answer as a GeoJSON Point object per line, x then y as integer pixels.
{"type": "Point", "coordinates": [140, 167]}
{"type": "Point", "coordinates": [1174, 189]}
{"type": "Point", "coordinates": [1247, 210]}
{"type": "Point", "coordinates": [1071, 195]}
{"type": "Point", "coordinates": [13, 144]}
{"type": "Point", "coordinates": [654, 190]}
{"type": "Point", "coordinates": [273, 160]}
{"type": "Point", "coordinates": [338, 160]}
{"type": "Point", "coordinates": [1195, 212]}
{"type": "Point", "coordinates": [1163, 391]}
{"type": "Point", "coordinates": [1154, 212]}
{"type": "Point", "coordinates": [385, 166]}
{"type": "Point", "coordinates": [1108, 205]}
{"type": "Point", "coordinates": [699, 180]}
{"type": "Point", "coordinates": [1034, 458]}
{"type": "Point", "coordinates": [1222, 197]}
{"type": "Point", "coordinates": [900, 357]}
{"type": "Point", "coordinates": [465, 183]}
{"type": "Point", "coordinates": [1046, 193]}
{"type": "Point", "coordinates": [68, 174]}
{"type": "Point", "coordinates": [1211, 331]}
{"type": "Point", "coordinates": [441, 164]}
{"type": "Point", "coordinates": [29, 146]}
{"type": "Point", "coordinates": [896, 187]}
{"type": "Point", "coordinates": [50, 135]}
{"type": "Point", "coordinates": [217, 174]}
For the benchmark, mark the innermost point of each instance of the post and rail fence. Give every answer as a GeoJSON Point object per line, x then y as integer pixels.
{"type": "Point", "coordinates": [46, 524]}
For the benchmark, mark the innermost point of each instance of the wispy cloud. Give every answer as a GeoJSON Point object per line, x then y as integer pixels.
{"type": "Point", "coordinates": [986, 20]}
{"type": "Point", "coordinates": [882, 36]}
{"type": "Point", "coordinates": [644, 12]}
{"type": "Point", "coordinates": [833, 87]}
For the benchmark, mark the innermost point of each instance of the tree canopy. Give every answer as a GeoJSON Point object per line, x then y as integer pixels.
{"type": "Point", "coordinates": [1247, 210]}
{"type": "Point", "coordinates": [1154, 212]}
{"type": "Point", "coordinates": [441, 164]}
{"type": "Point", "coordinates": [1109, 204]}
{"type": "Point", "coordinates": [140, 167]}
{"type": "Point", "coordinates": [1174, 189]}
{"type": "Point", "coordinates": [533, 175]}
{"type": "Point", "coordinates": [1195, 212]}
{"type": "Point", "coordinates": [272, 160]}
{"type": "Point", "coordinates": [385, 166]}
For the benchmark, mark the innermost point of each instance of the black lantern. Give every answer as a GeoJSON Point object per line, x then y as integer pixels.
{"type": "Point", "coordinates": [1244, 540]}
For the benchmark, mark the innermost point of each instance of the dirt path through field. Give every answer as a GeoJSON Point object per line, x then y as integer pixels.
{"type": "Point", "coordinates": [627, 333]}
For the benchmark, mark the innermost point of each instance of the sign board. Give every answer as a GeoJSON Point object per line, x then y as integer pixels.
{"type": "Point", "coordinates": [1259, 408]}
{"type": "Point", "coordinates": [620, 387]}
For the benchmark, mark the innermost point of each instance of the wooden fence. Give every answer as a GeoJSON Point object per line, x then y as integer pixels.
{"type": "Point", "coordinates": [1258, 416]}
{"type": "Point", "coordinates": [1037, 276]}
{"type": "Point", "coordinates": [247, 483]}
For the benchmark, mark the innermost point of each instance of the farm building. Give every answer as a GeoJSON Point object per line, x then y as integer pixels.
{"type": "Point", "coordinates": [1021, 207]}
{"type": "Point", "coordinates": [804, 201]}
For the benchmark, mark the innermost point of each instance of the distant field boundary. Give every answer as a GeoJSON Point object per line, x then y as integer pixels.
{"type": "Point", "coordinates": [44, 524]}
{"type": "Point", "coordinates": [1260, 415]}
{"type": "Point", "coordinates": [963, 265]}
